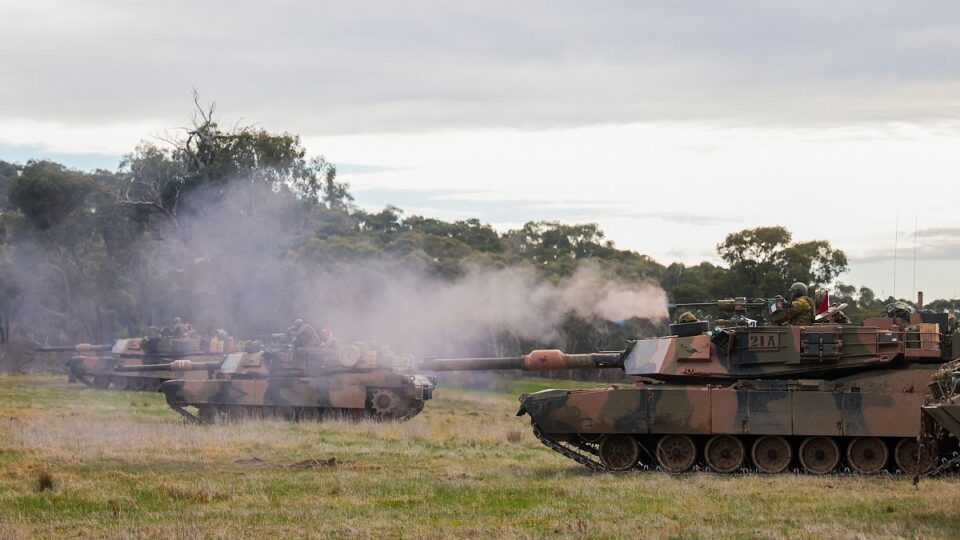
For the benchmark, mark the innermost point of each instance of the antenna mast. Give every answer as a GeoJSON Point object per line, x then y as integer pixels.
{"type": "Point", "coordinates": [915, 255]}
{"type": "Point", "coordinates": [896, 238]}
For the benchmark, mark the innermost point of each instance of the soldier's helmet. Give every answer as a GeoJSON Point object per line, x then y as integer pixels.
{"type": "Point", "coordinates": [177, 320]}
{"type": "Point", "coordinates": [297, 323]}
{"type": "Point", "coordinates": [797, 290]}
{"type": "Point", "coordinates": [686, 317]}
{"type": "Point", "coordinates": [900, 309]}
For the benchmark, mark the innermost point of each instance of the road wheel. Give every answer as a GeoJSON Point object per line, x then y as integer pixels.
{"type": "Point", "coordinates": [771, 454]}
{"type": "Point", "coordinates": [676, 453]}
{"type": "Point", "coordinates": [619, 452]}
{"type": "Point", "coordinates": [724, 453]}
{"type": "Point", "coordinates": [121, 383]}
{"type": "Point", "coordinates": [101, 381]}
{"type": "Point", "coordinates": [867, 455]}
{"type": "Point", "coordinates": [905, 454]}
{"type": "Point", "coordinates": [819, 455]}
{"type": "Point", "coordinates": [135, 384]}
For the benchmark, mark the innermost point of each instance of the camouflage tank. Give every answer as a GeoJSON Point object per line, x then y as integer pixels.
{"type": "Point", "coordinates": [941, 416]}
{"type": "Point", "coordinates": [746, 395]}
{"type": "Point", "coordinates": [297, 384]}
{"type": "Point", "coordinates": [97, 365]}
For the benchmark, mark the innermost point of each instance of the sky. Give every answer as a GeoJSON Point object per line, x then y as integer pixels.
{"type": "Point", "coordinates": [669, 124]}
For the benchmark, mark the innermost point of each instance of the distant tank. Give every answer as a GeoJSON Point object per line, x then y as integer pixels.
{"type": "Point", "coordinates": [745, 395]}
{"type": "Point", "coordinates": [297, 384]}
{"type": "Point", "coordinates": [96, 365]}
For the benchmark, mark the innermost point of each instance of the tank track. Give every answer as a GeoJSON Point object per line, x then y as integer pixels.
{"type": "Point", "coordinates": [947, 464]}
{"type": "Point", "coordinates": [219, 415]}
{"type": "Point", "coordinates": [581, 452]}
{"type": "Point", "coordinates": [119, 382]}
{"type": "Point", "coordinates": [587, 454]}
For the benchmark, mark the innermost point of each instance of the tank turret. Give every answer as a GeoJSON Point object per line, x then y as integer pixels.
{"type": "Point", "coordinates": [97, 365]}
{"type": "Point", "coordinates": [747, 395]}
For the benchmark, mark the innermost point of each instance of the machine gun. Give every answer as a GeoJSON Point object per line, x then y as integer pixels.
{"type": "Point", "coordinates": [772, 309]}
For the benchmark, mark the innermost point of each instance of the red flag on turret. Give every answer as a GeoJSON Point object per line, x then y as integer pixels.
{"type": "Point", "coordinates": [823, 301]}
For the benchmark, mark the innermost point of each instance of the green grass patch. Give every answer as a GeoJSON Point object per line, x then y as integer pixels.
{"type": "Point", "coordinates": [123, 464]}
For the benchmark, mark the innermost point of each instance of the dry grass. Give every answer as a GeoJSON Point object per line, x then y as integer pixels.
{"type": "Point", "coordinates": [123, 465]}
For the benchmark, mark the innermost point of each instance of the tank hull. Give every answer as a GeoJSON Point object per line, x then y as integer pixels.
{"type": "Point", "coordinates": [381, 394]}
{"type": "Point", "coordinates": [864, 422]}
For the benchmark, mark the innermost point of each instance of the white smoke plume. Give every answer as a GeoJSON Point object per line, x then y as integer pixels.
{"type": "Point", "coordinates": [412, 309]}
{"type": "Point", "coordinates": [246, 275]}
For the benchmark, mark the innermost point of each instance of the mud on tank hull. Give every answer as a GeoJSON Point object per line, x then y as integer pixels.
{"type": "Point", "coordinates": [100, 372]}
{"type": "Point", "coordinates": [865, 423]}
{"type": "Point", "coordinates": [383, 395]}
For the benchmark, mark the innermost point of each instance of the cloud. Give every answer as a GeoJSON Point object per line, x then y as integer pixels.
{"type": "Point", "coordinates": [334, 67]}
{"type": "Point", "coordinates": [495, 207]}
{"type": "Point", "coordinates": [939, 232]}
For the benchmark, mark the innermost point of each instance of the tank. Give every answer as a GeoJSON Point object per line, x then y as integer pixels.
{"type": "Point", "coordinates": [941, 418]}
{"type": "Point", "coordinates": [297, 384]}
{"type": "Point", "coordinates": [96, 365]}
{"type": "Point", "coordinates": [746, 395]}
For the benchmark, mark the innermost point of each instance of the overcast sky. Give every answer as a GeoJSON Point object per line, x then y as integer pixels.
{"type": "Point", "coordinates": [669, 125]}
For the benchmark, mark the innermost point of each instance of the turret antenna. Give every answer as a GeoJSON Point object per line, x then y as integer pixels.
{"type": "Point", "coordinates": [896, 238]}
{"type": "Point", "coordinates": [915, 218]}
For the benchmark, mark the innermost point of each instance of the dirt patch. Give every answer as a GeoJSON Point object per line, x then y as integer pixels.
{"type": "Point", "coordinates": [250, 461]}
{"type": "Point", "coordinates": [44, 481]}
{"type": "Point", "coordinates": [332, 462]}
{"type": "Point", "coordinates": [314, 463]}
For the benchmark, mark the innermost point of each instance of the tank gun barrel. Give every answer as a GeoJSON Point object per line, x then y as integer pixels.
{"type": "Point", "coordinates": [80, 347]}
{"type": "Point", "coordinates": [279, 335]}
{"type": "Point", "coordinates": [176, 365]}
{"type": "Point", "coordinates": [539, 360]}
{"type": "Point", "coordinates": [727, 304]}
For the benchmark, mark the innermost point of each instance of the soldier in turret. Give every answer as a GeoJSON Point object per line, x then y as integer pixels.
{"type": "Point", "coordinates": [800, 312]}
{"type": "Point", "coordinates": [179, 329]}
{"type": "Point", "coordinates": [686, 317]}
{"type": "Point", "coordinates": [304, 335]}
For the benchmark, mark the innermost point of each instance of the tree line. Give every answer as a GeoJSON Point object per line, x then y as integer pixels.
{"type": "Point", "coordinates": [93, 256]}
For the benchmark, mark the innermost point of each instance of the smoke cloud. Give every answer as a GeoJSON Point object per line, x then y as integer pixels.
{"type": "Point", "coordinates": [252, 265]}
{"type": "Point", "coordinates": [413, 310]}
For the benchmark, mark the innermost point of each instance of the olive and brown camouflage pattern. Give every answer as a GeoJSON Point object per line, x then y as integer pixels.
{"type": "Point", "coordinates": [942, 407]}
{"type": "Point", "coordinates": [302, 384]}
{"type": "Point", "coordinates": [99, 370]}
{"type": "Point", "coordinates": [767, 398]}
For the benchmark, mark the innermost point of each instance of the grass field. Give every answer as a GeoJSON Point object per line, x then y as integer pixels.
{"type": "Point", "coordinates": [124, 465]}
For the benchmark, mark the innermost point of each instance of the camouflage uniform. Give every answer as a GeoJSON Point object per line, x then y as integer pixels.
{"type": "Point", "coordinates": [800, 313]}
{"type": "Point", "coordinates": [686, 317]}
{"type": "Point", "coordinates": [179, 329]}
{"type": "Point", "coordinates": [304, 335]}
